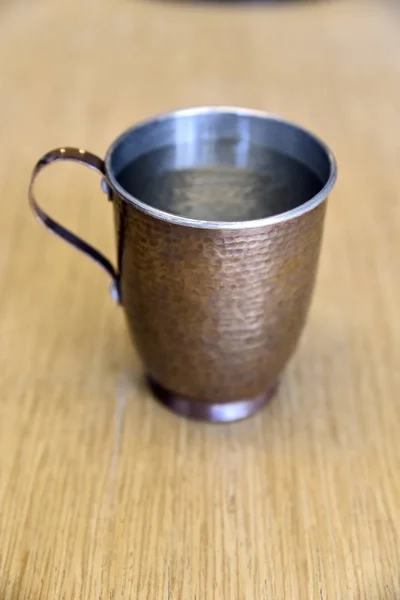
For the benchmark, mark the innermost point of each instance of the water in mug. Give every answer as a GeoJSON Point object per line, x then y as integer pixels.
{"type": "Point", "coordinates": [262, 183]}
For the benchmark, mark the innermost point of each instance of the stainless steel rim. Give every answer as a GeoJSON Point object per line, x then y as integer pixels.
{"type": "Point", "coordinates": [272, 220]}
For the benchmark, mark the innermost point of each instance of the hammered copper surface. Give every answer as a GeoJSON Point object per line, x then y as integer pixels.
{"type": "Point", "coordinates": [215, 314]}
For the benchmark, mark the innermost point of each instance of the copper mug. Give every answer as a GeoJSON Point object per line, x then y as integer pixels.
{"type": "Point", "coordinates": [215, 307]}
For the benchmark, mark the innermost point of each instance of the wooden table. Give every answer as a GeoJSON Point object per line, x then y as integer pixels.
{"type": "Point", "coordinates": [103, 493]}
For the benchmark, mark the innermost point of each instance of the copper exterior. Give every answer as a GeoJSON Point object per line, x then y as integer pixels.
{"type": "Point", "coordinates": [216, 314]}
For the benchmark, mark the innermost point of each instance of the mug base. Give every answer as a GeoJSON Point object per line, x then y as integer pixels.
{"type": "Point", "coordinates": [218, 412]}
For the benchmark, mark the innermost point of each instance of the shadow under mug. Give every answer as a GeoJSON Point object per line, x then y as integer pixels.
{"type": "Point", "coordinates": [215, 308]}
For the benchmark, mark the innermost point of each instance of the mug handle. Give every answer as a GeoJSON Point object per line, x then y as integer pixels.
{"type": "Point", "coordinates": [93, 162]}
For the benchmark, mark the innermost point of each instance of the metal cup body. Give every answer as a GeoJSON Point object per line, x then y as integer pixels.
{"type": "Point", "coordinates": [216, 308]}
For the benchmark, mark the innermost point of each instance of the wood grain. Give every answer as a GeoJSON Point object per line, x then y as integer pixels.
{"type": "Point", "coordinates": [103, 493]}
